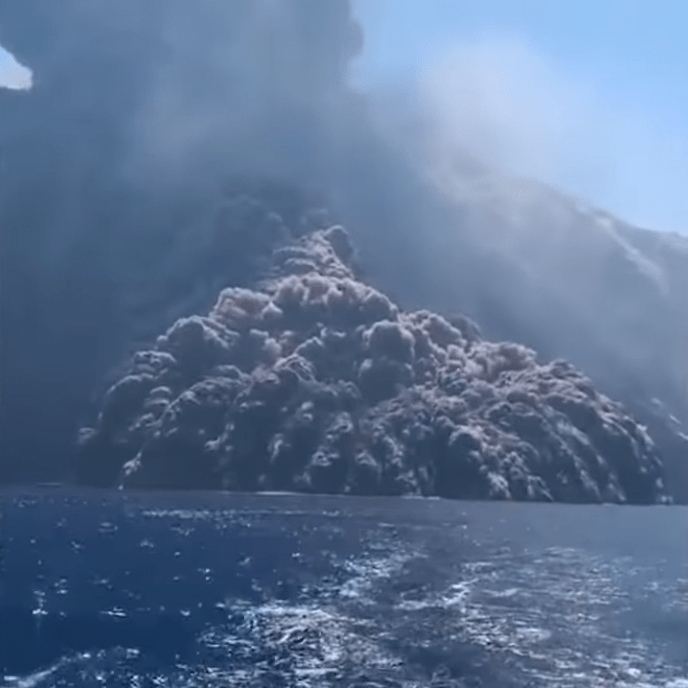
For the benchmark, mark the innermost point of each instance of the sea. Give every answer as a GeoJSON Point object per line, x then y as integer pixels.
{"type": "Point", "coordinates": [180, 589]}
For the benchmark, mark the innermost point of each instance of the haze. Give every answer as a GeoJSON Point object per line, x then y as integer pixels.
{"type": "Point", "coordinates": [589, 97]}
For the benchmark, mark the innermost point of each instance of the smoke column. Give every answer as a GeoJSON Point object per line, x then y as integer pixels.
{"type": "Point", "coordinates": [137, 114]}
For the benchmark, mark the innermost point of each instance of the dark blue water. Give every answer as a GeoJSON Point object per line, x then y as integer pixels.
{"type": "Point", "coordinates": [172, 589]}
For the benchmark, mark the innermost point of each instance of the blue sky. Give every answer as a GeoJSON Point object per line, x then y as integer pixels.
{"type": "Point", "coordinates": [12, 74]}
{"type": "Point", "coordinates": [591, 96]}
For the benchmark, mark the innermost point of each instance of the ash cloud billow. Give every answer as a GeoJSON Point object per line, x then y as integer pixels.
{"type": "Point", "coordinates": [313, 381]}
{"type": "Point", "coordinates": [121, 169]}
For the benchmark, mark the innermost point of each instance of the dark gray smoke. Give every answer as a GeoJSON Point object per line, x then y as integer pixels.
{"type": "Point", "coordinates": [139, 111]}
{"type": "Point", "coordinates": [142, 112]}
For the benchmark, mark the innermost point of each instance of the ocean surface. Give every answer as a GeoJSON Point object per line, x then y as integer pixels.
{"type": "Point", "coordinates": [102, 588]}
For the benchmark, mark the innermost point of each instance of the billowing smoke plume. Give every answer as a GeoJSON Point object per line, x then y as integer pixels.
{"type": "Point", "coordinates": [142, 113]}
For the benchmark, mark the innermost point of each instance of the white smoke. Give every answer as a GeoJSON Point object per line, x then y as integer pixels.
{"type": "Point", "coordinates": [503, 101]}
